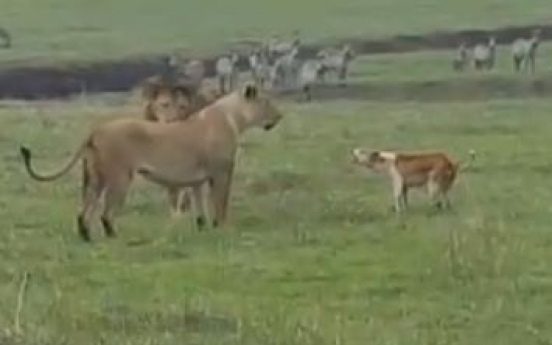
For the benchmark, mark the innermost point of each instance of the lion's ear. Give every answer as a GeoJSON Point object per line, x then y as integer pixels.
{"type": "Point", "coordinates": [250, 91]}
{"type": "Point", "coordinates": [151, 86]}
{"type": "Point", "coordinates": [149, 113]}
{"type": "Point", "coordinates": [183, 89]}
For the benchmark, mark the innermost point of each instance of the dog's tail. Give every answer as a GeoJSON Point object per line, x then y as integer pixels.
{"type": "Point", "coordinates": [466, 164]}
{"type": "Point", "coordinates": [26, 154]}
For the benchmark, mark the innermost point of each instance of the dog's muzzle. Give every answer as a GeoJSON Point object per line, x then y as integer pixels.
{"type": "Point", "coordinates": [354, 157]}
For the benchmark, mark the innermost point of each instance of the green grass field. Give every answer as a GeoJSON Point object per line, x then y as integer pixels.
{"type": "Point", "coordinates": [312, 254]}
{"type": "Point", "coordinates": [53, 30]}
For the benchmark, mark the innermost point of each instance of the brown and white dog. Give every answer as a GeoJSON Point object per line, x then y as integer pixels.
{"type": "Point", "coordinates": [433, 170]}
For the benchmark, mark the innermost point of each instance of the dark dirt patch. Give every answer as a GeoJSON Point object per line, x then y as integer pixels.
{"type": "Point", "coordinates": [36, 82]}
{"type": "Point", "coordinates": [62, 81]}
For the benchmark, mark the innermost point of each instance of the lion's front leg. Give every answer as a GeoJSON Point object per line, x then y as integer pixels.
{"type": "Point", "coordinates": [220, 194]}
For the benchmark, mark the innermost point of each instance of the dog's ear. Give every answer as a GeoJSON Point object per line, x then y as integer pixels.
{"type": "Point", "coordinates": [250, 91]}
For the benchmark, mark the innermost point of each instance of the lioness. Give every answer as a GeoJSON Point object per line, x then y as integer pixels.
{"type": "Point", "coordinates": [188, 103]}
{"type": "Point", "coordinates": [195, 153]}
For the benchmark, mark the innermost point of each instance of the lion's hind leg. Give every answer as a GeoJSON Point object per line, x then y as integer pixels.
{"type": "Point", "coordinates": [179, 199]}
{"type": "Point", "coordinates": [114, 194]}
{"type": "Point", "coordinates": [200, 204]}
{"type": "Point", "coordinates": [92, 186]}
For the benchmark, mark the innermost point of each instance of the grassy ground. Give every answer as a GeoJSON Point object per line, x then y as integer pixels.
{"type": "Point", "coordinates": [312, 254]}
{"type": "Point", "coordinates": [83, 29]}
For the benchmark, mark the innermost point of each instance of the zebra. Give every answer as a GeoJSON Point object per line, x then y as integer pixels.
{"type": "Point", "coordinates": [194, 70]}
{"type": "Point", "coordinates": [259, 66]}
{"type": "Point", "coordinates": [461, 58]}
{"type": "Point", "coordinates": [276, 48]}
{"type": "Point", "coordinates": [227, 72]}
{"type": "Point", "coordinates": [285, 69]}
{"type": "Point", "coordinates": [484, 56]}
{"type": "Point", "coordinates": [191, 70]}
{"type": "Point", "coordinates": [336, 61]}
{"type": "Point", "coordinates": [309, 73]}
{"type": "Point", "coordinates": [524, 52]}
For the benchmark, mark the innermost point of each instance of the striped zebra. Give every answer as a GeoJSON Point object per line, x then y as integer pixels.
{"type": "Point", "coordinates": [336, 61]}
{"type": "Point", "coordinates": [524, 52]}
{"type": "Point", "coordinates": [285, 69]}
{"type": "Point", "coordinates": [484, 55]}
{"type": "Point", "coordinates": [190, 70]}
{"type": "Point", "coordinates": [309, 73]}
{"type": "Point", "coordinates": [227, 72]}
{"type": "Point", "coordinates": [277, 48]}
{"type": "Point", "coordinates": [259, 67]}
{"type": "Point", "coordinates": [461, 58]}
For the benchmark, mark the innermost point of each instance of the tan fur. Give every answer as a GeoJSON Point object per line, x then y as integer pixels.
{"type": "Point", "coordinates": [433, 170]}
{"type": "Point", "coordinates": [189, 103]}
{"type": "Point", "coordinates": [197, 153]}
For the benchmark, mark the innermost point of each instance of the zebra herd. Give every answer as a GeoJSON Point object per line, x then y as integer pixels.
{"type": "Point", "coordinates": [483, 56]}
{"type": "Point", "coordinates": [275, 65]}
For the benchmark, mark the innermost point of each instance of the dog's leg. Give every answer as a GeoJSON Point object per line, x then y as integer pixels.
{"type": "Point", "coordinates": [398, 188]}
{"type": "Point", "coordinates": [434, 192]}
{"type": "Point", "coordinates": [446, 202]}
{"type": "Point", "coordinates": [397, 195]}
{"type": "Point", "coordinates": [404, 198]}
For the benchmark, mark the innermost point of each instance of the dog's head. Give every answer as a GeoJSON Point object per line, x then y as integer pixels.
{"type": "Point", "coordinates": [375, 160]}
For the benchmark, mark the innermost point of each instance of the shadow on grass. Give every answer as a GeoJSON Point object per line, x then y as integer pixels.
{"type": "Point", "coordinates": [170, 320]}
{"type": "Point", "coordinates": [279, 181]}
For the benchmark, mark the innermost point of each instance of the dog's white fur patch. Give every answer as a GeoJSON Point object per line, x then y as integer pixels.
{"type": "Point", "coordinates": [388, 155]}
{"type": "Point", "coordinates": [357, 153]}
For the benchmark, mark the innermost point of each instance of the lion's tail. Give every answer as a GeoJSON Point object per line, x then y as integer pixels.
{"type": "Point", "coordinates": [26, 154]}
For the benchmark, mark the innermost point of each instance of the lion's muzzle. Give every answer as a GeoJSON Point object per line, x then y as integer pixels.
{"type": "Point", "coordinates": [272, 124]}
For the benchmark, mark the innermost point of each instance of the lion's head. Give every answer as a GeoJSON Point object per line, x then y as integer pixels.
{"type": "Point", "coordinates": [259, 108]}
{"type": "Point", "coordinates": [165, 101]}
